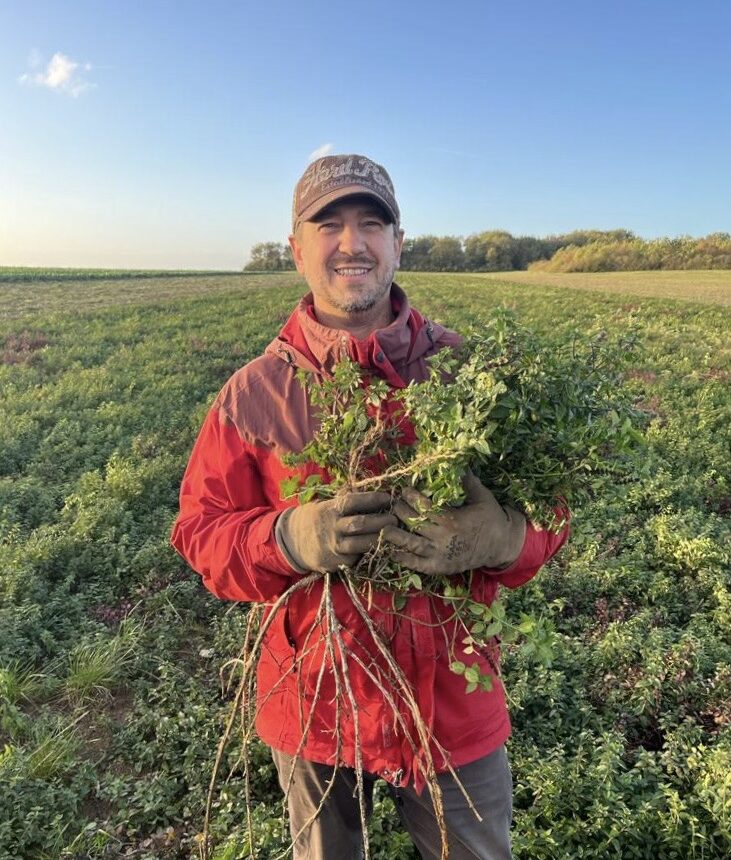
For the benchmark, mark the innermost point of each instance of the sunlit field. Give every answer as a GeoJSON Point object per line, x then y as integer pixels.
{"type": "Point", "coordinates": [711, 287]}
{"type": "Point", "coordinates": [111, 705]}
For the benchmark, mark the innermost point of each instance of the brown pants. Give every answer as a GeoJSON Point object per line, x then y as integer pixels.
{"type": "Point", "coordinates": [335, 834]}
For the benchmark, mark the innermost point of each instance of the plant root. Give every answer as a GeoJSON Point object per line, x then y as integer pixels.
{"type": "Point", "coordinates": [326, 633]}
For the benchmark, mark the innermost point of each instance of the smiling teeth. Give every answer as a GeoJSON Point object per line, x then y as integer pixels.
{"type": "Point", "coordinates": [351, 271]}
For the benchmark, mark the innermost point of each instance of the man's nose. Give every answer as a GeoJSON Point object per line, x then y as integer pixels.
{"type": "Point", "coordinates": [352, 240]}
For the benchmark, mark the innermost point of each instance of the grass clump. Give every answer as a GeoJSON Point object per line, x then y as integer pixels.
{"type": "Point", "coordinates": [95, 668]}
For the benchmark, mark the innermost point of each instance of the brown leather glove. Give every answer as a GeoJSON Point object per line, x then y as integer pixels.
{"type": "Point", "coordinates": [482, 533]}
{"type": "Point", "coordinates": [326, 535]}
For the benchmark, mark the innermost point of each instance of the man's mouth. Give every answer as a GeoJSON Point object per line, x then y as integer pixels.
{"type": "Point", "coordinates": [352, 271]}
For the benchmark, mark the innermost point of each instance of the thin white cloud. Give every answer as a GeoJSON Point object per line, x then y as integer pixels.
{"type": "Point", "coordinates": [458, 152]}
{"type": "Point", "coordinates": [62, 74]}
{"type": "Point", "coordinates": [321, 152]}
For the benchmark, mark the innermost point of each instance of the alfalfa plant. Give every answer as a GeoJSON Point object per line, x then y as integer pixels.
{"type": "Point", "coordinates": [545, 427]}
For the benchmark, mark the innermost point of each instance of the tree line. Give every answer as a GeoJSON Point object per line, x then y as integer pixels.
{"type": "Point", "coordinates": [500, 251]}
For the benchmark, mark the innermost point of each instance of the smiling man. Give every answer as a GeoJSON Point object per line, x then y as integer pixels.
{"type": "Point", "coordinates": [348, 254]}
{"type": "Point", "coordinates": [250, 545]}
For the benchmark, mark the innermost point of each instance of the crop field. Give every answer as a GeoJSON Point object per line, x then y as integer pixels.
{"type": "Point", "coordinates": [20, 274]}
{"type": "Point", "coordinates": [111, 700]}
{"type": "Point", "coordinates": [24, 298]}
{"type": "Point", "coordinates": [709, 287]}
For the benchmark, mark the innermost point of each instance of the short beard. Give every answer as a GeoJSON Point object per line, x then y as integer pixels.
{"type": "Point", "coordinates": [362, 304]}
{"type": "Point", "coordinates": [358, 305]}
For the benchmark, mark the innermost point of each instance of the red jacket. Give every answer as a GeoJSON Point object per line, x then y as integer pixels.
{"type": "Point", "coordinates": [229, 502]}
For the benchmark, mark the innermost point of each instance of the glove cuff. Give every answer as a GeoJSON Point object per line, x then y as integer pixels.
{"type": "Point", "coordinates": [280, 535]}
{"type": "Point", "coordinates": [515, 538]}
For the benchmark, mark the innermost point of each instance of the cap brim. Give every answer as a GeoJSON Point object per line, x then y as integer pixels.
{"type": "Point", "coordinates": [337, 194]}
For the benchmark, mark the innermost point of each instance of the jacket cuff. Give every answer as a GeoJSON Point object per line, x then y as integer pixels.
{"type": "Point", "coordinates": [540, 545]}
{"type": "Point", "coordinates": [282, 543]}
{"type": "Point", "coordinates": [530, 555]}
{"type": "Point", "coordinates": [519, 529]}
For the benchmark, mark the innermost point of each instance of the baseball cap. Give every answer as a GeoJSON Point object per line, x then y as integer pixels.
{"type": "Point", "coordinates": [336, 176]}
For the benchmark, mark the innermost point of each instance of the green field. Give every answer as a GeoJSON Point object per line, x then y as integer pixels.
{"type": "Point", "coordinates": [29, 274]}
{"type": "Point", "coordinates": [709, 287]}
{"type": "Point", "coordinates": [27, 298]}
{"type": "Point", "coordinates": [42, 290]}
{"type": "Point", "coordinates": [110, 649]}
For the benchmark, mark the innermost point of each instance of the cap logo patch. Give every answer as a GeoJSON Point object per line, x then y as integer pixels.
{"type": "Point", "coordinates": [320, 173]}
{"type": "Point", "coordinates": [354, 174]}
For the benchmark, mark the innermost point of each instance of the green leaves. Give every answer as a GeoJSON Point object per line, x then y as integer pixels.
{"type": "Point", "coordinates": [399, 601]}
{"type": "Point", "coordinates": [543, 426]}
{"type": "Point", "coordinates": [289, 486]}
{"type": "Point", "coordinates": [415, 581]}
{"type": "Point", "coordinates": [473, 675]}
{"type": "Point", "coordinates": [306, 489]}
{"type": "Point", "coordinates": [311, 486]}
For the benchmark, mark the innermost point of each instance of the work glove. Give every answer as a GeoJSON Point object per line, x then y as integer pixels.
{"type": "Point", "coordinates": [325, 535]}
{"type": "Point", "coordinates": [481, 533]}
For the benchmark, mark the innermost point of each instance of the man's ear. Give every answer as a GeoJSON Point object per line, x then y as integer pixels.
{"type": "Point", "coordinates": [296, 253]}
{"type": "Point", "coordinates": [399, 240]}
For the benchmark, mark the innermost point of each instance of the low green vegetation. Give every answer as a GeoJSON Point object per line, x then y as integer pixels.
{"type": "Point", "coordinates": [20, 274]}
{"type": "Point", "coordinates": [111, 704]}
{"type": "Point", "coordinates": [708, 287]}
{"type": "Point", "coordinates": [27, 299]}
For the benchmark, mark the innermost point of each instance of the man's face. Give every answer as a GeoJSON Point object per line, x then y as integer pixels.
{"type": "Point", "coordinates": [348, 255]}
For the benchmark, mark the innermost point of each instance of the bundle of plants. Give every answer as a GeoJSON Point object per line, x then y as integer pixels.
{"type": "Point", "coordinates": [545, 427]}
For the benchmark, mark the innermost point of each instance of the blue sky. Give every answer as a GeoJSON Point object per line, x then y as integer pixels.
{"type": "Point", "coordinates": [170, 134]}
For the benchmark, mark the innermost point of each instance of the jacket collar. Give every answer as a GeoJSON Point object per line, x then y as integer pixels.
{"type": "Point", "coordinates": [305, 342]}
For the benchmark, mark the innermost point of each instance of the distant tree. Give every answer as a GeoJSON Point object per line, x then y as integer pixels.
{"type": "Point", "coordinates": [600, 257]}
{"type": "Point", "coordinates": [550, 245]}
{"type": "Point", "coordinates": [499, 251]}
{"type": "Point", "coordinates": [528, 249]}
{"type": "Point", "coordinates": [584, 237]}
{"type": "Point", "coordinates": [489, 251]}
{"type": "Point", "coordinates": [446, 255]}
{"type": "Point", "coordinates": [712, 252]}
{"type": "Point", "coordinates": [682, 252]}
{"type": "Point", "coordinates": [415, 253]}
{"type": "Point", "coordinates": [270, 257]}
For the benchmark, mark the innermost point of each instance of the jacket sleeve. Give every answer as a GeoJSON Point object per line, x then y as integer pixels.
{"type": "Point", "coordinates": [539, 546]}
{"type": "Point", "coordinates": [225, 528]}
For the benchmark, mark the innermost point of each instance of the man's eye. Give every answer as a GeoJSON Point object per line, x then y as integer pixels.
{"type": "Point", "coordinates": [329, 226]}
{"type": "Point", "coordinates": [373, 223]}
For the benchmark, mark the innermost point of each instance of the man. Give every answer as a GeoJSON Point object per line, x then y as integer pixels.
{"type": "Point", "coordinates": [250, 545]}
